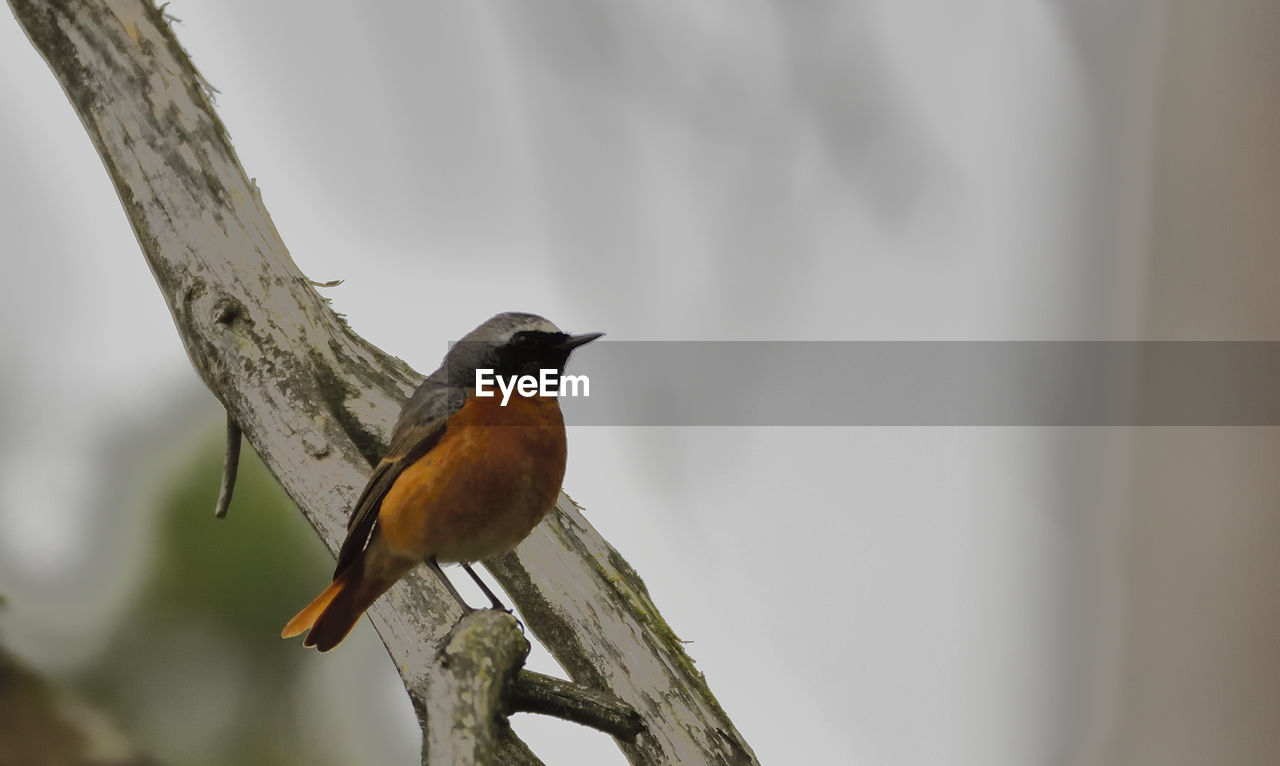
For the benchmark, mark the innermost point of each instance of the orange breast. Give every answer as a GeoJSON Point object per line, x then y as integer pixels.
{"type": "Point", "coordinates": [493, 475]}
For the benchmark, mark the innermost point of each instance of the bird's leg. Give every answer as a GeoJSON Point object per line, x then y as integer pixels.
{"type": "Point", "coordinates": [497, 603]}
{"type": "Point", "coordinates": [435, 567]}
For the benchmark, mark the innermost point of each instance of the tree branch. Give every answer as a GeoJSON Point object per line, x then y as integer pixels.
{"type": "Point", "coordinates": [230, 467]}
{"type": "Point", "coordinates": [317, 401]}
{"type": "Point", "coordinates": [42, 724]}
{"type": "Point", "coordinates": [472, 680]}
{"type": "Point", "coordinates": [538, 693]}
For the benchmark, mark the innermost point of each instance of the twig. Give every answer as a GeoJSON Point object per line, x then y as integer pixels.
{"type": "Point", "coordinates": [538, 693]}
{"type": "Point", "coordinates": [230, 465]}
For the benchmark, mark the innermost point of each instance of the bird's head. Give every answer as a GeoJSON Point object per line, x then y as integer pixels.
{"type": "Point", "coordinates": [511, 344]}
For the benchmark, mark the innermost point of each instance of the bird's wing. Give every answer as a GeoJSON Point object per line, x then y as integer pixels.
{"type": "Point", "coordinates": [419, 428]}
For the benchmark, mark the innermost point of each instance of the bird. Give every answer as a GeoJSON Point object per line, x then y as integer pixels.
{"type": "Point", "coordinates": [467, 474]}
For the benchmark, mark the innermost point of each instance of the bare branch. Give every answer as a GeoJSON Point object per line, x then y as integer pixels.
{"type": "Point", "coordinates": [43, 724]}
{"type": "Point", "coordinates": [316, 401]}
{"type": "Point", "coordinates": [230, 466]}
{"type": "Point", "coordinates": [538, 693]}
{"type": "Point", "coordinates": [473, 675]}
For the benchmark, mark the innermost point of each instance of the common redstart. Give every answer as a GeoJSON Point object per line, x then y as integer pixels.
{"type": "Point", "coordinates": [466, 476]}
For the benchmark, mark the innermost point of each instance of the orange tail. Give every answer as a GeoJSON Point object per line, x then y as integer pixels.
{"type": "Point", "coordinates": [332, 615]}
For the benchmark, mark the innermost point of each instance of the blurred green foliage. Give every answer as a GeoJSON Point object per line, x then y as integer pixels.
{"type": "Point", "coordinates": [198, 671]}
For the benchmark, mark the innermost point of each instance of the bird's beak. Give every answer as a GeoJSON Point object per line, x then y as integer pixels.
{"type": "Point", "coordinates": [573, 341]}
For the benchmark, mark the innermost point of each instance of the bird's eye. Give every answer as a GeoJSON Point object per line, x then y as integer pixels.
{"type": "Point", "coordinates": [522, 339]}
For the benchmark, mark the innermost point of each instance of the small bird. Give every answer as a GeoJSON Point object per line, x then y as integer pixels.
{"type": "Point", "coordinates": [466, 476]}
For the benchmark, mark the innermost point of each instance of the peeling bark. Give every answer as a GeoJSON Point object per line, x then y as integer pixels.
{"type": "Point", "coordinates": [317, 402]}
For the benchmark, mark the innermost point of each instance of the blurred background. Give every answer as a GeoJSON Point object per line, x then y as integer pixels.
{"type": "Point", "coordinates": [715, 171]}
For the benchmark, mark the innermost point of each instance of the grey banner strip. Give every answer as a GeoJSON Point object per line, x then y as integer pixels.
{"type": "Point", "coordinates": [814, 383]}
